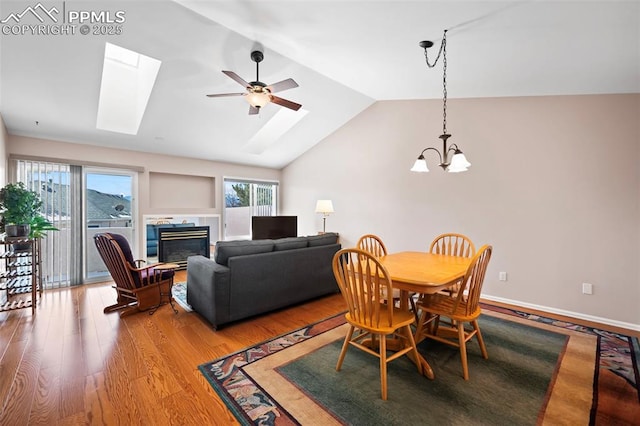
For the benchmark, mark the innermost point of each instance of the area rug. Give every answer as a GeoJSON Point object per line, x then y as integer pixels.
{"type": "Point", "coordinates": [179, 292]}
{"type": "Point", "coordinates": [539, 371]}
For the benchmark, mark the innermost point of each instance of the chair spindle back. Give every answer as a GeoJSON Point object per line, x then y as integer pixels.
{"type": "Point", "coordinates": [363, 280]}
{"type": "Point", "coordinates": [453, 245]}
{"type": "Point", "coordinates": [473, 280]}
{"type": "Point", "coordinates": [372, 244]}
{"type": "Point", "coordinates": [115, 260]}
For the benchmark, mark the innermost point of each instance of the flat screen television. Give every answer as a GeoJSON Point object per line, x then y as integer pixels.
{"type": "Point", "coordinates": [263, 227]}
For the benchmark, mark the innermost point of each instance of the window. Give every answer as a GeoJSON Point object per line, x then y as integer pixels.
{"type": "Point", "coordinates": [244, 198]}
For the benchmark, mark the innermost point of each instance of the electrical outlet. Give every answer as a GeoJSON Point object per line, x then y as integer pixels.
{"type": "Point", "coordinates": [502, 276]}
{"type": "Point", "coordinates": [587, 288]}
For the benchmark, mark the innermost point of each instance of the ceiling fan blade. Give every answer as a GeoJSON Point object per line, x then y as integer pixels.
{"type": "Point", "coordinates": [237, 78]}
{"type": "Point", "coordinates": [253, 110]}
{"type": "Point", "coordinates": [219, 95]}
{"type": "Point", "coordinates": [282, 85]}
{"type": "Point", "coordinates": [285, 103]}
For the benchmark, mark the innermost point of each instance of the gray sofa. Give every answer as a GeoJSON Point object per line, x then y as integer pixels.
{"type": "Point", "coordinates": [249, 278]}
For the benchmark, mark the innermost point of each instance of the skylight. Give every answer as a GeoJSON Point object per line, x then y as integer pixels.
{"type": "Point", "coordinates": [280, 123]}
{"type": "Point", "coordinates": [127, 80]}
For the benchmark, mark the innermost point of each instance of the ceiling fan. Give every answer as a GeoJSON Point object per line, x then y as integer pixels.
{"type": "Point", "coordinates": [259, 94]}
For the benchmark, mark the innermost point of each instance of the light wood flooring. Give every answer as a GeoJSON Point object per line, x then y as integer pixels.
{"type": "Point", "coordinates": [72, 364]}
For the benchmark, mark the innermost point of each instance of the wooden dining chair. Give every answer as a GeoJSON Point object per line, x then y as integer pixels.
{"type": "Point", "coordinates": [463, 307]}
{"type": "Point", "coordinates": [362, 280]}
{"type": "Point", "coordinates": [138, 287]}
{"type": "Point", "coordinates": [452, 244]}
{"type": "Point", "coordinates": [373, 245]}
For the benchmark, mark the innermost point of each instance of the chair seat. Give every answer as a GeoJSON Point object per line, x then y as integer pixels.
{"type": "Point", "coordinates": [442, 304]}
{"type": "Point", "coordinates": [400, 319]}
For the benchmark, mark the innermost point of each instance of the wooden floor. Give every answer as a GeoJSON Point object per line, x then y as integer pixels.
{"type": "Point", "coordinates": [72, 364]}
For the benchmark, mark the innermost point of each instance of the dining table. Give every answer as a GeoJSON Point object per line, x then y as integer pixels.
{"type": "Point", "coordinates": [423, 273]}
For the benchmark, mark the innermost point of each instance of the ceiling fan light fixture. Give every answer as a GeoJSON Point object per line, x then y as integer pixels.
{"type": "Point", "coordinates": [258, 99]}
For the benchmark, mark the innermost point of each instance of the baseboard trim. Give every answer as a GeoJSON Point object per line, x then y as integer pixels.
{"type": "Point", "coordinates": [607, 321]}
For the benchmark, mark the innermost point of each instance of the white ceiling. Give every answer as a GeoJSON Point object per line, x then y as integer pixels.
{"type": "Point", "coordinates": [344, 55]}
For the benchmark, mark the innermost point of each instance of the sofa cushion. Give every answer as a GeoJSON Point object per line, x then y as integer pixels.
{"type": "Point", "coordinates": [290, 243]}
{"type": "Point", "coordinates": [227, 249]}
{"type": "Point", "coordinates": [322, 240]}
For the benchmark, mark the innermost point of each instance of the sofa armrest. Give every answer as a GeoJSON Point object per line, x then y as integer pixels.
{"type": "Point", "coordinates": [208, 289]}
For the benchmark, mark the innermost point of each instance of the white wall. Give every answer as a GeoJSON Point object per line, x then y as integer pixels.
{"type": "Point", "coordinates": [554, 187]}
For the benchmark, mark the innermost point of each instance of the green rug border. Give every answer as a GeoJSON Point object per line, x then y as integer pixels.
{"type": "Point", "coordinates": [285, 340]}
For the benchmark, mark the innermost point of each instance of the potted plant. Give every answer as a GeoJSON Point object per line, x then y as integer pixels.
{"type": "Point", "coordinates": [20, 209]}
{"type": "Point", "coordinates": [39, 225]}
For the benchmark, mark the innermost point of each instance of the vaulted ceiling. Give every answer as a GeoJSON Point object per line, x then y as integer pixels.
{"type": "Point", "coordinates": [344, 55]}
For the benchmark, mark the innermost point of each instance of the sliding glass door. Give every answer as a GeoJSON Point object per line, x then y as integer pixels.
{"type": "Point", "coordinates": [80, 202]}
{"type": "Point", "coordinates": [243, 199]}
{"type": "Point", "coordinates": [109, 206]}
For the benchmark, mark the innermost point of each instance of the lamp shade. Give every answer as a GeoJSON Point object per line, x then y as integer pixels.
{"type": "Point", "coordinates": [324, 206]}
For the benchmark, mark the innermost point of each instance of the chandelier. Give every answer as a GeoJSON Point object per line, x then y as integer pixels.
{"type": "Point", "coordinates": [451, 159]}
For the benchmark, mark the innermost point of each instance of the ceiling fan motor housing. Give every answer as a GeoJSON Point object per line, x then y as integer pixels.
{"type": "Point", "coordinates": [259, 84]}
{"type": "Point", "coordinates": [257, 56]}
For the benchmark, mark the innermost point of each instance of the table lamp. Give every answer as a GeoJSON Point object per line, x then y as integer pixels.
{"type": "Point", "coordinates": [325, 207]}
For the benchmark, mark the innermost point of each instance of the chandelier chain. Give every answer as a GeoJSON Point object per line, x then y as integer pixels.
{"type": "Point", "coordinates": [426, 54]}
{"type": "Point", "coordinates": [443, 46]}
{"type": "Point", "coordinates": [442, 52]}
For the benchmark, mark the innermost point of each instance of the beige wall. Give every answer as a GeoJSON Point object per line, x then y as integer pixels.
{"type": "Point", "coordinates": [181, 202]}
{"type": "Point", "coordinates": [554, 187]}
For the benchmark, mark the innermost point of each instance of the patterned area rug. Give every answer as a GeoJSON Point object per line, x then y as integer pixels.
{"type": "Point", "coordinates": [179, 292]}
{"type": "Point", "coordinates": [539, 371]}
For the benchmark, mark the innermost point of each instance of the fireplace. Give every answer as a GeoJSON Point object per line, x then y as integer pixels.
{"type": "Point", "coordinates": [176, 244]}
